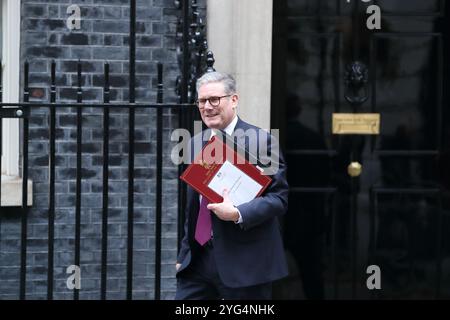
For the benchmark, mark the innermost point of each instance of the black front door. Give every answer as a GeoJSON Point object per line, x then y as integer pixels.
{"type": "Point", "coordinates": [368, 213]}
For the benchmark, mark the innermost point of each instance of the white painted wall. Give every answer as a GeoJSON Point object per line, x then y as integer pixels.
{"type": "Point", "coordinates": [10, 79]}
{"type": "Point", "coordinates": [240, 36]}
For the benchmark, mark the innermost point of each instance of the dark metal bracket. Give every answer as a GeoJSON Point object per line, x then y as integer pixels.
{"type": "Point", "coordinates": [14, 113]}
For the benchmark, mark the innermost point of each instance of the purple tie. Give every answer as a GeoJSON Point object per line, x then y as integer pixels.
{"type": "Point", "coordinates": [203, 228]}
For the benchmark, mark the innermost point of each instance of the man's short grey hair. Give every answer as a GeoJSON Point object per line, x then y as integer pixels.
{"type": "Point", "coordinates": [228, 81]}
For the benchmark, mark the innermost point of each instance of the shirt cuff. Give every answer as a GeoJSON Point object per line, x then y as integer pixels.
{"type": "Point", "coordinates": [240, 217]}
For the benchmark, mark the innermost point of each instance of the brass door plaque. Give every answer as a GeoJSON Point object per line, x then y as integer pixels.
{"type": "Point", "coordinates": [356, 123]}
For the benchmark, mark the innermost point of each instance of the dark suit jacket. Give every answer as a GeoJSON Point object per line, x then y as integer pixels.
{"type": "Point", "coordinates": [250, 253]}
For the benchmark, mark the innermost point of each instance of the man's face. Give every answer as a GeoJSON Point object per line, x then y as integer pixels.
{"type": "Point", "coordinates": [220, 116]}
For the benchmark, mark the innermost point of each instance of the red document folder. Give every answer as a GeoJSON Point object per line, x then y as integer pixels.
{"type": "Point", "coordinates": [210, 160]}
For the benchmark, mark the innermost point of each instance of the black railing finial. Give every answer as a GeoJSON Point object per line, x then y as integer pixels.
{"type": "Point", "coordinates": [106, 75]}
{"type": "Point", "coordinates": [53, 73]}
{"type": "Point", "coordinates": [160, 87]}
{"type": "Point", "coordinates": [53, 82]}
{"type": "Point", "coordinates": [106, 89]}
{"type": "Point", "coordinates": [210, 61]}
{"type": "Point", "coordinates": [26, 72]}
{"type": "Point", "coordinates": [79, 90]}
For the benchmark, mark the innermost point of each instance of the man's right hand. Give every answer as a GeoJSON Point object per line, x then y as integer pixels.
{"type": "Point", "coordinates": [177, 266]}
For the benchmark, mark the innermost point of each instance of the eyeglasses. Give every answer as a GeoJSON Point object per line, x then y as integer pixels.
{"type": "Point", "coordinates": [213, 101]}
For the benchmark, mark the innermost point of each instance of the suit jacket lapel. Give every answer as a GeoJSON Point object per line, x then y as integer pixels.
{"type": "Point", "coordinates": [240, 139]}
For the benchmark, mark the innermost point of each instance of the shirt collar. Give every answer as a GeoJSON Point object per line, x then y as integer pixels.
{"type": "Point", "coordinates": [229, 129]}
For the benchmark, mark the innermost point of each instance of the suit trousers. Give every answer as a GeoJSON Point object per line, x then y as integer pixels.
{"type": "Point", "coordinates": [201, 281]}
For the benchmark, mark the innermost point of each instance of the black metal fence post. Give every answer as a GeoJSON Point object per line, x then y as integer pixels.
{"type": "Point", "coordinates": [76, 292]}
{"type": "Point", "coordinates": [159, 150]}
{"type": "Point", "coordinates": [131, 148]}
{"type": "Point", "coordinates": [51, 163]}
{"type": "Point", "coordinates": [182, 117]}
{"type": "Point", "coordinates": [104, 268]}
{"type": "Point", "coordinates": [23, 252]}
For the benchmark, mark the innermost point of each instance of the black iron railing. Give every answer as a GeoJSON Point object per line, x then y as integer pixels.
{"type": "Point", "coordinates": [23, 111]}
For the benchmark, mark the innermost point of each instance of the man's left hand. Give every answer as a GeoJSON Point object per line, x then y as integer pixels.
{"type": "Point", "coordinates": [225, 210]}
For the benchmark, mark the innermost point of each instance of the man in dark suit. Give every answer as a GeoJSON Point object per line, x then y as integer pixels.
{"type": "Point", "coordinates": [242, 253]}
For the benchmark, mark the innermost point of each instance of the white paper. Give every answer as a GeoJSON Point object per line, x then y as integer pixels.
{"type": "Point", "coordinates": [241, 187]}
